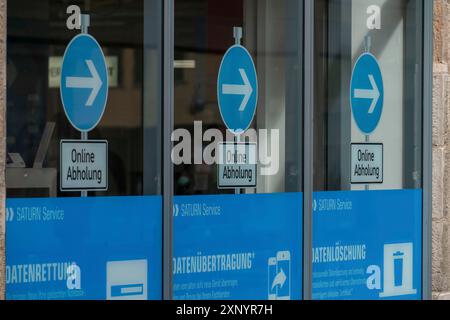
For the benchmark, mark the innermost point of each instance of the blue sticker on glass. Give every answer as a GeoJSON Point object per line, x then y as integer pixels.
{"type": "Point", "coordinates": [367, 93]}
{"type": "Point", "coordinates": [237, 89]}
{"type": "Point", "coordinates": [238, 247]}
{"type": "Point", "coordinates": [367, 245]}
{"type": "Point", "coordinates": [89, 248]}
{"type": "Point", "coordinates": [84, 83]}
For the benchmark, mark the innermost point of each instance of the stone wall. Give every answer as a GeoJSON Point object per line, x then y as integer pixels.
{"type": "Point", "coordinates": [441, 151]}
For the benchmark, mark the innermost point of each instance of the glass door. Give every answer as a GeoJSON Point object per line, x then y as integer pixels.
{"type": "Point", "coordinates": [83, 177]}
{"type": "Point", "coordinates": [237, 225]}
{"type": "Point", "coordinates": [368, 169]}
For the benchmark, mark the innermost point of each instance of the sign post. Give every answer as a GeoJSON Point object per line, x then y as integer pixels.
{"type": "Point", "coordinates": [367, 102]}
{"type": "Point", "coordinates": [84, 93]}
{"type": "Point", "coordinates": [237, 95]}
{"type": "Point", "coordinates": [85, 23]}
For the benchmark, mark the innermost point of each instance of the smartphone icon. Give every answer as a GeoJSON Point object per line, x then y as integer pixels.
{"type": "Point", "coordinates": [284, 266]}
{"type": "Point", "coordinates": [272, 290]}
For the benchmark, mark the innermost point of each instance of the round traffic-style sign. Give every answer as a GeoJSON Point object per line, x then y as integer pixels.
{"type": "Point", "coordinates": [237, 89]}
{"type": "Point", "coordinates": [367, 93]}
{"type": "Point", "coordinates": [84, 83]}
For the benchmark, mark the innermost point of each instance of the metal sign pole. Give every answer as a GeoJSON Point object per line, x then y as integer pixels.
{"type": "Point", "coordinates": [237, 140]}
{"type": "Point", "coordinates": [85, 24]}
{"type": "Point", "coordinates": [237, 34]}
{"type": "Point", "coordinates": [368, 44]}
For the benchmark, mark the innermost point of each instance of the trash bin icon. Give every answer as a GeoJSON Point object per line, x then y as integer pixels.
{"type": "Point", "coordinates": [398, 268]}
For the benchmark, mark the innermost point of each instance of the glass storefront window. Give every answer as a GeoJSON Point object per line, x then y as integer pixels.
{"type": "Point", "coordinates": [213, 208]}
{"type": "Point", "coordinates": [272, 34]}
{"type": "Point", "coordinates": [256, 229]}
{"type": "Point", "coordinates": [367, 219]}
{"type": "Point", "coordinates": [66, 241]}
{"type": "Point", "coordinates": [34, 104]}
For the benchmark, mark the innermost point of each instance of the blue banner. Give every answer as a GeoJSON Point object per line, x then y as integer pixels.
{"type": "Point", "coordinates": [84, 248]}
{"type": "Point", "coordinates": [367, 245]}
{"type": "Point", "coordinates": [238, 247]}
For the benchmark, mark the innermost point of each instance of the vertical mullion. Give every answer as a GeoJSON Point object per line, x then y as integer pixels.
{"type": "Point", "coordinates": [308, 47]}
{"type": "Point", "coordinates": [427, 146]}
{"type": "Point", "coordinates": [168, 54]}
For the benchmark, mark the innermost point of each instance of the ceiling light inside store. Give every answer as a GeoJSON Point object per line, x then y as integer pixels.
{"type": "Point", "coordinates": [184, 64]}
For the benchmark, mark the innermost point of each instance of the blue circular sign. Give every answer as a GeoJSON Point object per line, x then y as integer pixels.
{"type": "Point", "coordinates": [84, 83]}
{"type": "Point", "coordinates": [237, 89]}
{"type": "Point", "coordinates": [367, 93]}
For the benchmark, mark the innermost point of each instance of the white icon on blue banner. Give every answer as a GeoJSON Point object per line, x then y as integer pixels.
{"type": "Point", "coordinates": [126, 280]}
{"type": "Point", "coordinates": [398, 270]}
{"type": "Point", "coordinates": [9, 214]}
{"type": "Point", "coordinates": [279, 276]}
{"type": "Point", "coordinates": [176, 210]}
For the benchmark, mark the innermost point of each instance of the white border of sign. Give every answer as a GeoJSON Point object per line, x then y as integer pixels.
{"type": "Point", "coordinates": [351, 93]}
{"type": "Point", "coordinates": [219, 166]}
{"type": "Point", "coordinates": [107, 82]}
{"type": "Point", "coordinates": [382, 164]}
{"type": "Point", "coordinates": [84, 142]}
{"type": "Point", "coordinates": [256, 90]}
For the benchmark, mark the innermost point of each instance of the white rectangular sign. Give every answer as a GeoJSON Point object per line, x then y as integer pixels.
{"type": "Point", "coordinates": [237, 165]}
{"type": "Point", "coordinates": [367, 163]}
{"type": "Point", "coordinates": [84, 165]}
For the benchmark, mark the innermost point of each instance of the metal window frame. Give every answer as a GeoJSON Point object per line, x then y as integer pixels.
{"type": "Point", "coordinates": [168, 124]}
{"type": "Point", "coordinates": [308, 145]}
{"type": "Point", "coordinates": [427, 148]}
{"type": "Point", "coordinates": [427, 97]}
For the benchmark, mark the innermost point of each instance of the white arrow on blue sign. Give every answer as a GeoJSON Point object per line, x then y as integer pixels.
{"type": "Point", "coordinates": [237, 89]}
{"type": "Point", "coordinates": [367, 93]}
{"type": "Point", "coordinates": [84, 83]}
